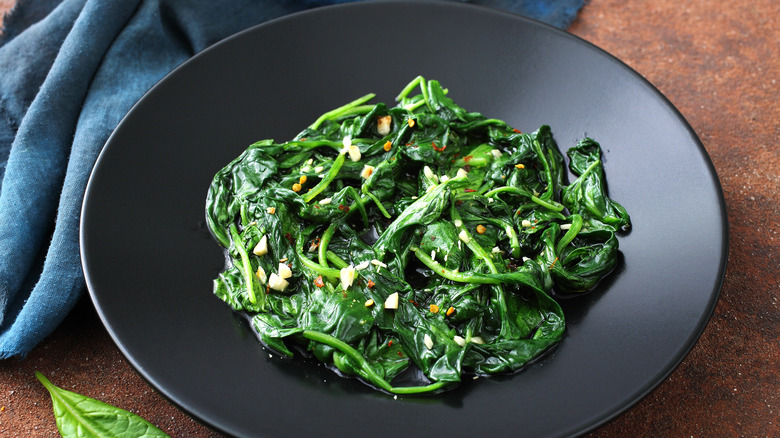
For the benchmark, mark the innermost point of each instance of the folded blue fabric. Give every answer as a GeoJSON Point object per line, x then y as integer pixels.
{"type": "Point", "coordinates": [69, 71]}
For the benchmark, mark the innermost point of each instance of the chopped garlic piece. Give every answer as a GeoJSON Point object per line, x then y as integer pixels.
{"type": "Point", "coordinates": [276, 282]}
{"type": "Point", "coordinates": [392, 301]}
{"type": "Point", "coordinates": [496, 153]}
{"type": "Point", "coordinates": [525, 259]}
{"type": "Point", "coordinates": [444, 178]}
{"type": "Point", "coordinates": [565, 226]}
{"type": "Point", "coordinates": [261, 274]}
{"type": "Point", "coordinates": [270, 210]}
{"type": "Point", "coordinates": [463, 235]}
{"type": "Point", "coordinates": [477, 340]}
{"type": "Point", "coordinates": [433, 254]}
{"type": "Point", "coordinates": [376, 262]}
{"type": "Point", "coordinates": [526, 223]}
{"type": "Point", "coordinates": [458, 223]}
{"type": "Point", "coordinates": [362, 265]}
{"type": "Point", "coordinates": [495, 250]}
{"type": "Point", "coordinates": [354, 153]}
{"type": "Point", "coordinates": [261, 248]}
{"type": "Point", "coordinates": [347, 275]}
{"type": "Point", "coordinates": [367, 171]}
{"type": "Point", "coordinates": [324, 201]}
{"type": "Point", "coordinates": [428, 342]}
{"type": "Point", "coordinates": [462, 172]}
{"type": "Point", "coordinates": [459, 340]}
{"type": "Point", "coordinates": [347, 142]}
{"type": "Point", "coordinates": [369, 302]}
{"type": "Point", "coordinates": [383, 125]}
{"type": "Point", "coordinates": [318, 169]}
{"type": "Point", "coordinates": [284, 271]}
{"type": "Point", "coordinates": [429, 173]}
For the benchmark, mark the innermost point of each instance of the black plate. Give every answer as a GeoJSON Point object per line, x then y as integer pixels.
{"type": "Point", "coordinates": [149, 260]}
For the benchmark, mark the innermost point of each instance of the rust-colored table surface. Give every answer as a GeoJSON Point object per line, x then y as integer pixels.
{"type": "Point", "coordinates": [718, 62]}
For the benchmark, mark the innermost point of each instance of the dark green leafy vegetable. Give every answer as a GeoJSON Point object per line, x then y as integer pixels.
{"type": "Point", "coordinates": [81, 416]}
{"type": "Point", "coordinates": [415, 236]}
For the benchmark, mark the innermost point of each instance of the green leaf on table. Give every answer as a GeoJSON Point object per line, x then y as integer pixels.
{"type": "Point", "coordinates": [81, 416]}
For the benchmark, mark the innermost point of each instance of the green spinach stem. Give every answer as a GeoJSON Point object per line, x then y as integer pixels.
{"type": "Point", "coordinates": [246, 268]}
{"type": "Point", "coordinates": [342, 110]}
{"type": "Point", "coordinates": [329, 177]}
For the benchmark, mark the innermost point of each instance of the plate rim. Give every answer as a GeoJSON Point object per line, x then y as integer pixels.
{"type": "Point", "coordinates": [651, 384]}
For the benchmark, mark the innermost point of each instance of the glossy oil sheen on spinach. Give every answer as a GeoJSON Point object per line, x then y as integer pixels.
{"type": "Point", "coordinates": [471, 222]}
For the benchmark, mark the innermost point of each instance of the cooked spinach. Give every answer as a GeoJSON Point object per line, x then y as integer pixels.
{"type": "Point", "coordinates": [382, 239]}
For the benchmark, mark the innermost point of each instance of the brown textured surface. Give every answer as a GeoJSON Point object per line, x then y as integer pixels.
{"type": "Point", "coordinates": [719, 64]}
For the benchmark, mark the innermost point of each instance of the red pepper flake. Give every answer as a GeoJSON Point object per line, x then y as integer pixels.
{"type": "Point", "coordinates": [467, 158]}
{"type": "Point", "coordinates": [469, 190]}
{"type": "Point", "coordinates": [318, 282]}
{"type": "Point", "coordinates": [438, 149]}
{"type": "Point", "coordinates": [413, 302]}
{"type": "Point", "coordinates": [517, 131]}
{"type": "Point", "coordinates": [370, 284]}
{"type": "Point", "coordinates": [267, 289]}
{"type": "Point", "coordinates": [400, 354]}
{"type": "Point", "coordinates": [553, 264]}
{"type": "Point", "coordinates": [289, 238]}
{"type": "Point", "coordinates": [390, 343]}
{"type": "Point", "coordinates": [344, 294]}
{"type": "Point", "coordinates": [344, 208]}
{"type": "Point", "coordinates": [316, 206]}
{"type": "Point", "coordinates": [303, 139]}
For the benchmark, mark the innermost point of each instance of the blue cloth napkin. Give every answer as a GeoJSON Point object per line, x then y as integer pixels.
{"type": "Point", "coordinates": [69, 71]}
